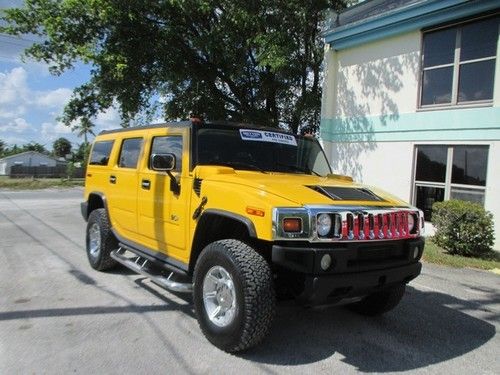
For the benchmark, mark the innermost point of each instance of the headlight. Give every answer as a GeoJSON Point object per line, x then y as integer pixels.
{"type": "Point", "coordinates": [411, 223]}
{"type": "Point", "coordinates": [323, 224]}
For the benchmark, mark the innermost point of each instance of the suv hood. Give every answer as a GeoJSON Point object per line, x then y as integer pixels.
{"type": "Point", "coordinates": [303, 189]}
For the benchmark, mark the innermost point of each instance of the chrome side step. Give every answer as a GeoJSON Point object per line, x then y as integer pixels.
{"type": "Point", "coordinates": [140, 265]}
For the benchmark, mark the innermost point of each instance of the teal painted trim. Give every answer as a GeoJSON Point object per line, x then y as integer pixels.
{"type": "Point", "coordinates": [414, 17]}
{"type": "Point", "coordinates": [471, 124]}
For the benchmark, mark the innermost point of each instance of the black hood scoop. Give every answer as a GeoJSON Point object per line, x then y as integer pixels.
{"type": "Point", "coordinates": [347, 193]}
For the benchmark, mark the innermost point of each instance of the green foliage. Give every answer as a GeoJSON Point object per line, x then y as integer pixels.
{"type": "Point", "coordinates": [15, 149]}
{"type": "Point", "coordinates": [241, 60]}
{"type": "Point", "coordinates": [61, 147]}
{"type": "Point", "coordinates": [463, 228]}
{"type": "Point", "coordinates": [70, 170]}
{"type": "Point", "coordinates": [83, 128]}
{"type": "Point", "coordinates": [82, 154]}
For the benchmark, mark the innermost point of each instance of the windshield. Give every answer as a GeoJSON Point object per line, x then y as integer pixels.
{"type": "Point", "coordinates": [260, 150]}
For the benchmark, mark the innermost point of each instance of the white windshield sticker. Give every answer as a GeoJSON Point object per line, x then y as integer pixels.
{"type": "Point", "coordinates": [267, 136]}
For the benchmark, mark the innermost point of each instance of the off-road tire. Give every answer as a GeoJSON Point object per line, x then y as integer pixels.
{"type": "Point", "coordinates": [255, 295]}
{"type": "Point", "coordinates": [379, 303]}
{"type": "Point", "coordinates": [102, 261]}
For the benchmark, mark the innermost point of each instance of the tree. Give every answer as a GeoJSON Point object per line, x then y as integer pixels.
{"type": "Point", "coordinates": [3, 148]}
{"type": "Point", "coordinates": [61, 147]}
{"type": "Point", "coordinates": [82, 153]}
{"type": "Point", "coordinates": [84, 128]}
{"type": "Point", "coordinates": [241, 60]}
{"type": "Point", "coordinates": [33, 146]}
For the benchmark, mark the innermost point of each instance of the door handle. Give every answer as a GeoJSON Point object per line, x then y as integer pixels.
{"type": "Point", "coordinates": [146, 184]}
{"type": "Point", "coordinates": [112, 179]}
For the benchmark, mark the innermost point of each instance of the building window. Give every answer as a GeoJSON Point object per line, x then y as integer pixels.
{"type": "Point", "coordinates": [129, 154]}
{"type": "Point", "coordinates": [449, 172]}
{"type": "Point", "coordinates": [459, 63]}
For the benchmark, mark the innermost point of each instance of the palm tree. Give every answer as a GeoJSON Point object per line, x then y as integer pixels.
{"type": "Point", "coordinates": [84, 128]}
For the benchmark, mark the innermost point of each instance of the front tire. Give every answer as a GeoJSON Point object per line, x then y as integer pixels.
{"type": "Point", "coordinates": [233, 295]}
{"type": "Point", "coordinates": [100, 241]}
{"type": "Point", "coordinates": [379, 303]}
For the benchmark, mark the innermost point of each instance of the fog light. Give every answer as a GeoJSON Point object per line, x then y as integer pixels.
{"type": "Point", "coordinates": [326, 262]}
{"type": "Point", "coordinates": [415, 252]}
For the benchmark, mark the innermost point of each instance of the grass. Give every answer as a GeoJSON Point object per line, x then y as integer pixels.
{"type": "Point", "coordinates": [40, 183]}
{"type": "Point", "coordinates": [435, 254]}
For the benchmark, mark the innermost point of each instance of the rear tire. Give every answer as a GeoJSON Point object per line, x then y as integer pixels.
{"type": "Point", "coordinates": [100, 241]}
{"type": "Point", "coordinates": [233, 295]}
{"type": "Point", "coordinates": [379, 303]}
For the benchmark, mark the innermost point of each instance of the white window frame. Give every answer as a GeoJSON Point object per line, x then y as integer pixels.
{"type": "Point", "coordinates": [447, 185]}
{"type": "Point", "coordinates": [456, 69]}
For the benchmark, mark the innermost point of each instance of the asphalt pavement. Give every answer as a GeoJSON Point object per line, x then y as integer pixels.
{"type": "Point", "coordinates": [59, 316]}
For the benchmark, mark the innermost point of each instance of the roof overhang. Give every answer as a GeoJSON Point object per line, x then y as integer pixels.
{"type": "Point", "coordinates": [404, 19]}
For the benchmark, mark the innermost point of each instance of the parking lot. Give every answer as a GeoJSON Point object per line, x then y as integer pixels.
{"type": "Point", "coordinates": [57, 315]}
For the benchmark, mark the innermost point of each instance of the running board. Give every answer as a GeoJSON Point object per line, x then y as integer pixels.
{"type": "Point", "coordinates": [140, 265]}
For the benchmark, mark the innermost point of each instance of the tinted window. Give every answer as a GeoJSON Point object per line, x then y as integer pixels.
{"type": "Point", "coordinates": [439, 47]}
{"type": "Point", "coordinates": [100, 153]}
{"type": "Point", "coordinates": [469, 165]}
{"type": "Point", "coordinates": [437, 86]}
{"type": "Point", "coordinates": [479, 39]}
{"type": "Point", "coordinates": [431, 163]}
{"type": "Point", "coordinates": [169, 145]}
{"type": "Point", "coordinates": [129, 154]}
{"type": "Point", "coordinates": [227, 147]}
{"type": "Point", "coordinates": [465, 54]}
{"type": "Point", "coordinates": [426, 197]}
{"type": "Point", "coordinates": [476, 81]}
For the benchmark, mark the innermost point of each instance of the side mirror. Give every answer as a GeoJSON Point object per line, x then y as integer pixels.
{"type": "Point", "coordinates": [162, 162]}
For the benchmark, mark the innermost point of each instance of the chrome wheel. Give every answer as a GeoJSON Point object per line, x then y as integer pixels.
{"type": "Point", "coordinates": [94, 240]}
{"type": "Point", "coordinates": [219, 296]}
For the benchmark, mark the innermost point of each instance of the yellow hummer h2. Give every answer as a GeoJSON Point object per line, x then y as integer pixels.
{"type": "Point", "coordinates": [239, 215]}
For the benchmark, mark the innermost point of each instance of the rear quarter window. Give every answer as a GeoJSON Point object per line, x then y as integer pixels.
{"type": "Point", "coordinates": [100, 153]}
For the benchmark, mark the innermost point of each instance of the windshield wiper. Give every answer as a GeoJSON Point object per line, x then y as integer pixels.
{"type": "Point", "coordinates": [299, 169]}
{"type": "Point", "coordinates": [237, 164]}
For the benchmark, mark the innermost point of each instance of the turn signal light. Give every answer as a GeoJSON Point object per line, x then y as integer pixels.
{"type": "Point", "coordinates": [292, 224]}
{"type": "Point", "coordinates": [255, 211]}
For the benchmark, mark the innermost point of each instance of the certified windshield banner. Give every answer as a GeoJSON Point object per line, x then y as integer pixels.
{"type": "Point", "coordinates": [267, 136]}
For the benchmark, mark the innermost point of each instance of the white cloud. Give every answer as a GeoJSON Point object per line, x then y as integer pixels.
{"type": "Point", "coordinates": [54, 99]}
{"type": "Point", "coordinates": [50, 131]}
{"type": "Point", "coordinates": [109, 119]}
{"type": "Point", "coordinates": [14, 92]}
{"type": "Point", "coordinates": [17, 125]}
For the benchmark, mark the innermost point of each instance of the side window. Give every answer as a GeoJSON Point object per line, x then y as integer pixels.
{"type": "Point", "coordinates": [100, 153]}
{"type": "Point", "coordinates": [169, 144]}
{"type": "Point", "coordinates": [129, 154]}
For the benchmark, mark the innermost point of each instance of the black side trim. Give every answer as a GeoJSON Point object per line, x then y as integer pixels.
{"type": "Point", "coordinates": [84, 206]}
{"type": "Point", "coordinates": [246, 221]}
{"type": "Point", "coordinates": [152, 255]}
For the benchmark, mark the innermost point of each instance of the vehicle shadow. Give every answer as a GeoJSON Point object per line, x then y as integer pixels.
{"type": "Point", "coordinates": [421, 331]}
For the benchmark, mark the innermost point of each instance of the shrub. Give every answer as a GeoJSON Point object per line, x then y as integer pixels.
{"type": "Point", "coordinates": [463, 228]}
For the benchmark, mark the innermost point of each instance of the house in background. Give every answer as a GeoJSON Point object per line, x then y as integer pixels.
{"type": "Point", "coordinates": [28, 159]}
{"type": "Point", "coordinates": [411, 99]}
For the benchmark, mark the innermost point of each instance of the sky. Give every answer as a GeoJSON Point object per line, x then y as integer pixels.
{"type": "Point", "coordinates": [31, 98]}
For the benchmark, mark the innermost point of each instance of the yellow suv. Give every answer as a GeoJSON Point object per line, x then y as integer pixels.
{"type": "Point", "coordinates": [240, 215]}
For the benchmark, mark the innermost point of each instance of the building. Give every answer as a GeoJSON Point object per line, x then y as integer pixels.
{"type": "Point", "coordinates": [27, 159]}
{"type": "Point", "coordinates": [411, 99]}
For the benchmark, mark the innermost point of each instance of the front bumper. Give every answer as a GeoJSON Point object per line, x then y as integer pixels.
{"type": "Point", "coordinates": [357, 269]}
{"type": "Point", "coordinates": [334, 288]}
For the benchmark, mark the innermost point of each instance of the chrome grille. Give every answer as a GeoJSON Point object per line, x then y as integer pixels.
{"type": "Point", "coordinates": [371, 225]}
